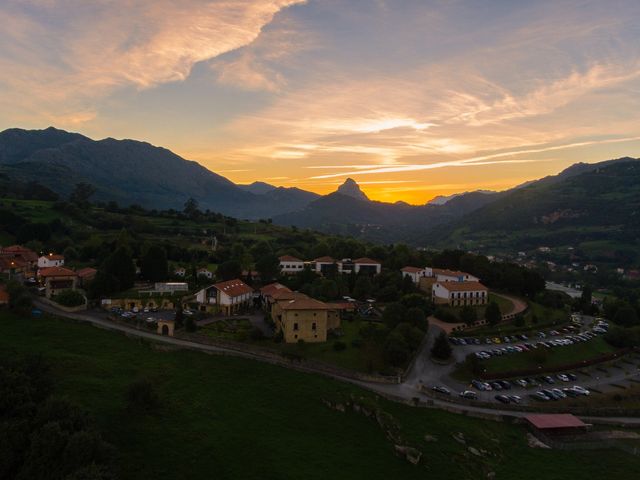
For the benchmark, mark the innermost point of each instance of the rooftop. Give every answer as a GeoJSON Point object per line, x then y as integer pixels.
{"type": "Point", "coordinates": [234, 288]}
{"type": "Point", "coordinates": [56, 272]}
{"type": "Point", "coordinates": [556, 420]}
{"type": "Point", "coordinates": [410, 269]}
{"type": "Point", "coordinates": [289, 258]}
{"type": "Point", "coordinates": [304, 303]}
{"type": "Point", "coordinates": [462, 286]}
{"type": "Point", "coordinates": [368, 261]}
{"type": "Point", "coordinates": [325, 259]}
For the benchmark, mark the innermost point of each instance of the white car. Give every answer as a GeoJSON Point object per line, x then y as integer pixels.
{"type": "Point", "coordinates": [580, 390]}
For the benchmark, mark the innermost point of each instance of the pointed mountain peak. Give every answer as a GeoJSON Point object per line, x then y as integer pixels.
{"type": "Point", "coordinates": [352, 189]}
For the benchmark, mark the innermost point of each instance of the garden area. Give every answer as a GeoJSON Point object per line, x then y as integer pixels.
{"type": "Point", "coordinates": [450, 314]}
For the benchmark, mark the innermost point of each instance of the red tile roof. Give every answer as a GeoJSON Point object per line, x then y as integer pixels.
{"type": "Point", "coordinates": [286, 295]}
{"type": "Point", "coordinates": [462, 286]}
{"type": "Point", "coordinates": [555, 420]}
{"type": "Point", "coordinates": [56, 272]}
{"type": "Point", "coordinates": [233, 288]}
{"type": "Point", "coordinates": [412, 269]}
{"type": "Point", "coordinates": [368, 261]}
{"type": "Point", "coordinates": [18, 250]}
{"type": "Point", "coordinates": [10, 263]}
{"type": "Point", "coordinates": [305, 303]}
{"type": "Point", "coordinates": [272, 288]}
{"type": "Point", "coordinates": [86, 272]}
{"type": "Point", "coordinates": [289, 258]}
{"type": "Point", "coordinates": [449, 273]}
{"type": "Point", "coordinates": [54, 256]}
{"type": "Point", "coordinates": [324, 259]}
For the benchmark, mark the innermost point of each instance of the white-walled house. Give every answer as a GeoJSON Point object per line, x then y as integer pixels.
{"type": "Point", "coordinates": [51, 260]}
{"type": "Point", "coordinates": [290, 264]}
{"type": "Point", "coordinates": [180, 272]}
{"type": "Point", "coordinates": [326, 264]}
{"type": "Point", "coordinates": [203, 272]}
{"type": "Point", "coordinates": [233, 295]}
{"type": "Point", "coordinates": [415, 273]}
{"type": "Point", "coordinates": [444, 275]}
{"type": "Point", "coordinates": [367, 265]}
{"type": "Point", "coordinates": [460, 293]}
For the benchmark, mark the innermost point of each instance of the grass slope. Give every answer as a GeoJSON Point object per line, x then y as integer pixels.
{"type": "Point", "coordinates": [233, 418]}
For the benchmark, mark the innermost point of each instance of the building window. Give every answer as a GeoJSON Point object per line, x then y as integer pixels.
{"type": "Point", "coordinates": [295, 327]}
{"type": "Point", "coordinates": [313, 326]}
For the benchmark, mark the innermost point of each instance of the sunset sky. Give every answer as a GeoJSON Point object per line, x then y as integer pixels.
{"type": "Point", "coordinates": [412, 99]}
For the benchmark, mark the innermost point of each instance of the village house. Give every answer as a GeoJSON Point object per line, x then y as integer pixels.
{"type": "Point", "coordinates": [51, 260]}
{"type": "Point", "coordinates": [460, 293]}
{"type": "Point", "coordinates": [180, 272]}
{"type": "Point", "coordinates": [414, 273]}
{"type": "Point", "coordinates": [367, 265]}
{"type": "Point", "coordinates": [233, 295]}
{"type": "Point", "coordinates": [267, 292]}
{"type": "Point", "coordinates": [85, 276]}
{"type": "Point", "coordinates": [11, 267]}
{"type": "Point", "coordinates": [290, 264]}
{"type": "Point", "coordinates": [204, 272]}
{"type": "Point", "coordinates": [325, 265]}
{"type": "Point", "coordinates": [57, 279]}
{"type": "Point", "coordinates": [302, 318]}
{"type": "Point", "coordinates": [29, 257]}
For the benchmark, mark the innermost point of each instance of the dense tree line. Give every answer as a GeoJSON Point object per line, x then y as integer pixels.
{"type": "Point", "coordinates": [43, 437]}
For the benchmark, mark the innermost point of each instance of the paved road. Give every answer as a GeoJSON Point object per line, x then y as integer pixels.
{"type": "Point", "coordinates": [424, 371]}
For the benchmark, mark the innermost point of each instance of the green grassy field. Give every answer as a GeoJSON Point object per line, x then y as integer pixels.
{"type": "Point", "coordinates": [553, 357]}
{"type": "Point", "coordinates": [232, 418]}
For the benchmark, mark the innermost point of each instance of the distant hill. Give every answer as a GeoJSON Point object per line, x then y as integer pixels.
{"type": "Point", "coordinates": [583, 205]}
{"type": "Point", "coordinates": [442, 199]}
{"type": "Point", "coordinates": [351, 189]}
{"type": "Point", "coordinates": [128, 171]}
{"type": "Point", "coordinates": [258, 188]}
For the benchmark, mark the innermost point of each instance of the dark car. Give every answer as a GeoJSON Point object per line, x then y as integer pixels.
{"type": "Point", "coordinates": [468, 394]}
{"type": "Point", "coordinates": [503, 398]}
{"type": "Point", "coordinates": [505, 384]}
{"type": "Point", "coordinates": [496, 386]}
{"type": "Point", "coordinates": [549, 379]}
{"type": "Point", "coordinates": [572, 377]}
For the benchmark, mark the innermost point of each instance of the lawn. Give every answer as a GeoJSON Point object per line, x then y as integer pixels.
{"type": "Point", "coordinates": [553, 357]}
{"type": "Point", "coordinates": [236, 329]}
{"type": "Point", "coordinates": [229, 418]}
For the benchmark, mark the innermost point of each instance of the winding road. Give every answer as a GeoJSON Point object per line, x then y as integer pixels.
{"type": "Point", "coordinates": [423, 372]}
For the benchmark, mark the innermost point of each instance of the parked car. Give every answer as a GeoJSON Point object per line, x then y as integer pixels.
{"type": "Point", "coordinates": [540, 396]}
{"type": "Point", "coordinates": [468, 394]}
{"type": "Point", "coordinates": [506, 385]}
{"type": "Point", "coordinates": [515, 398]}
{"type": "Point", "coordinates": [562, 377]}
{"type": "Point", "coordinates": [581, 390]}
{"type": "Point", "coordinates": [439, 389]}
{"type": "Point", "coordinates": [503, 398]}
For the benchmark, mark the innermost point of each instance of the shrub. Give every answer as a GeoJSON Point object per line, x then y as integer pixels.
{"type": "Point", "coordinates": [69, 298]}
{"type": "Point", "coordinates": [339, 345]}
{"type": "Point", "coordinates": [441, 348]}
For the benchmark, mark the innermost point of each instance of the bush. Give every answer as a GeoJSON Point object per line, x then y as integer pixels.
{"type": "Point", "coordinates": [357, 343]}
{"type": "Point", "coordinates": [141, 395]}
{"type": "Point", "coordinates": [339, 345]}
{"type": "Point", "coordinates": [468, 315]}
{"type": "Point", "coordinates": [69, 298]}
{"type": "Point", "coordinates": [441, 349]}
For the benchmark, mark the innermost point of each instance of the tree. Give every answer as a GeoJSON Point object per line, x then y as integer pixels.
{"type": "Point", "coordinates": [81, 194]}
{"type": "Point", "coordinates": [626, 316]}
{"type": "Point", "coordinates": [441, 349]}
{"type": "Point", "coordinates": [119, 265]}
{"type": "Point", "coordinates": [416, 317]}
{"type": "Point", "coordinates": [362, 287]}
{"type": "Point", "coordinates": [155, 266]}
{"type": "Point", "coordinates": [492, 314]}
{"type": "Point", "coordinates": [393, 314]}
{"type": "Point", "coordinates": [396, 349]}
{"type": "Point", "coordinates": [229, 270]}
{"type": "Point", "coordinates": [191, 208]}
{"type": "Point", "coordinates": [268, 266]}
{"type": "Point", "coordinates": [468, 315]}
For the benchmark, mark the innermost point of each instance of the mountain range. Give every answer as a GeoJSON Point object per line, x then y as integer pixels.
{"type": "Point", "coordinates": [133, 172]}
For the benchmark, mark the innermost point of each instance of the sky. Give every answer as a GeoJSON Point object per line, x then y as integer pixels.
{"type": "Point", "coordinates": [411, 98]}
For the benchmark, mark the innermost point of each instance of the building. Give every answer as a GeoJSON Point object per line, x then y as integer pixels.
{"type": "Point", "coordinates": [233, 295]}
{"type": "Point", "coordinates": [204, 272]}
{"type": "Point", "coordinates": [289, 264]}
{"type": "Point", "coordinates": [556, 424]}
{"type": "Point", "coordinates": [4, 296]}
{"type": "Point", "coordinates": [444, 275]}
{"type": "Point", "coordinates": [17, 251]}
{"type": "Point", "coordinates": [302, 318]}
{"type": "Point", "coordinates": [180, 272]}
{"type": "Point", "coordinates": [414, 273]}
{"type": "Point", "coordinates": [460, 293]}
{"type": "Point", "coordinates": [267, 292]}
{"type": "Point", "coordinates": [325, 264]}
{"type": "Point", "coordinates": [51, 260]}
{"type": "Point", "coordinates": [85, 276]}
{"type": "Point", "coordinates": [11, 267]}
{"type": "Point", "coordinates": [57, 279]}
{"type": "Point", "coordinates": [367, 265]}
{"type": "Point", "coordinates": [171, 287]}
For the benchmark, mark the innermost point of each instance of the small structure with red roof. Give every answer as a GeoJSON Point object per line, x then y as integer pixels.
{"type": "Point", "coordinates": [556, 424]}
{"type": "Point", "coordinates": [290, 264]}
{"type": "Point", "coordinates": [56, 279]}
{"type": "Point", "coordinates": [460, 293]}
{"type": "Point", "coordinates": [51, 260]}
